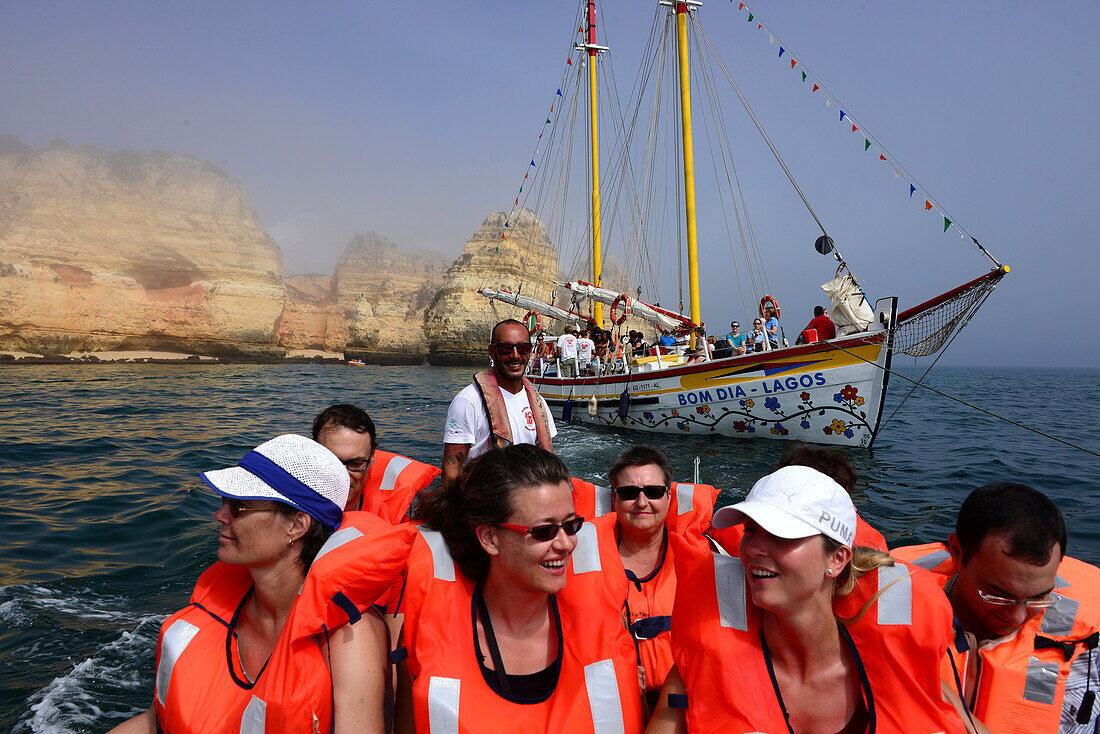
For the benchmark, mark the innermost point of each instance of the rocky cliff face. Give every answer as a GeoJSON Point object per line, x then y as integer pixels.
{"type": "Point", "coordinates": [125, 250]}
{"type": "Point", "coordinates": [382, 294]}
{"type": "Point", "coordinates": [459, 319]}
{"type": "Point", "coordinates": [310, 318]}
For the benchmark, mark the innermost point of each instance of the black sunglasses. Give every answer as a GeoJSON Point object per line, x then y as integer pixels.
{"type": "Point", "coordinates": [357, 464]}
{"type": "Point", "coordinates": [545, 533]}
{"type": "Point", "coordinates": [630, 493]}
{"type": "Point", "coordinates": [505, 348]}
{"type": "Point", "coordinates": [236, 507]}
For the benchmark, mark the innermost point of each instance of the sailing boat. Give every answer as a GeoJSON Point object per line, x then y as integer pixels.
{"type": "Point", "coordinates": [829, 392]}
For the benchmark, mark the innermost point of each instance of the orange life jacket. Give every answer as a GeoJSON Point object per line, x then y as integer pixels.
{"type": "Point", "coordinates": [500, 428]}
{"type": "Point", "coordinates": [394, 480]}
{"type": "Point", "coordinates": [730, 538]}
{"type": "Point", "coordinates": [199, 683]}
{"type": "Point", "coordinates": [899, 642]}
{"type": "Point", "coordinates": [650, 600]}
{"type": "Point", "coordinates": [1022, 689]}
{"type": "Point", "coordinates": [597, 688]}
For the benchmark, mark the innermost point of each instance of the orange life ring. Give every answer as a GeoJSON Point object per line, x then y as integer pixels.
{"type": "Point", "coordinates": [624, 301]}
{"type": "Point", "coordinates": [774, 303]}
{"type": "Point", "coordinates": [533, 321]}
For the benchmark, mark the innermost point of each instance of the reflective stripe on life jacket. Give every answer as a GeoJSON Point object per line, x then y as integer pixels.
{"type": "Point", "coordinates": [1034, 680]}
{"type": "Point", "coordinates": [198, 691]}
{"type": "Point", "coordinates": [597, 688]}
{"type": "Point", "coordinates": [899, 642]}
{"type": "Point", "coordinates": [392, 483]}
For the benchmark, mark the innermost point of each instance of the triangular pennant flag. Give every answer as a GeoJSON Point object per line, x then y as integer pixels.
{"type": "Point", "coordinates": [946, 224]}
{"type": "Point", "coordinates": [502, 237]}
{"type": "Point", "coordinates": [771, 40]}
{"type": "Point", "coordinates": [569, 62]}
{"type": "Point", "coordinates": [927, 205]}
{"type": "Point", "coordinates": [526, 175]}
{"type": "Point", "coordinates": [866, 144]}
{"type": "Point", "coordinates": [532, 161]}
{"type": "Point", "coordinates": [551, 108]}
{"type": "Point", "coordinates": [897, 175]}
{"type": "Point", "coordinates": [815, 88]}
{"type": "Point", "coordinates": [547, 120]}
{"type": "Point", "coordinates": [506, 225]}
{"type": "Point", "coordinates": [741, 6]}
{"type": "Point", "coordinates": [793, 62]}
{"type": "Point", "coordinates": [498, 249]}
{"type": "Point", "coordinates": [517, 202]}
{"type": "Point", "coordinates": [781, 50]}
{"type": "Point", "coordinates": [828, 102]}
{"type": "Point", "coordinates": [750, 17]}
{"type": "Point", "coordinates": [560, 94]}
{"type": "Point", "coordinates": [540, 136]}
{"type": "Point", "coordinates": [842, 113]}
{"type": "Point", "coordinates": [521, 189]}
{"type": "Point", "coordinates": [881, 157]}
{"type": "Point", "coordinates": [803, 76]}
{"type": "Point", "coordinates": [912, 190]}
{"type": "Point", "coordinates": [759, 26]}
{"type": "Point", "coordinates": [854, 128]}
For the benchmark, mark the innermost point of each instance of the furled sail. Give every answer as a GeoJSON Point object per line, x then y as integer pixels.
{"type": "Point", "coordinates": [667, 320]}
{"type": "Point", "coordinates": [848, 307]}
{"type": "Point", "coordinates": [533, 304]}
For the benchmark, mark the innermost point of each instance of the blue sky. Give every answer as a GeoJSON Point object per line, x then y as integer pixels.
{"type": "Point", "coordinates": [416, 119]}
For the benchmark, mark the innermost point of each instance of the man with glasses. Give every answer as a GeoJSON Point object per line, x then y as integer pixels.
{"type": "Point", "coordinates": [500, 408]}
{"type": "Point", "coordinates": [1031, 614]}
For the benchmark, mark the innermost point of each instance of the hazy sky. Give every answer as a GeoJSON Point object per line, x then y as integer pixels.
{"type": "Point", "coordinates": [415, 119]}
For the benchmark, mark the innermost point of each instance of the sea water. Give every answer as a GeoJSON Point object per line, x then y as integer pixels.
{"type": "Point", "coordinates": [106, 526]}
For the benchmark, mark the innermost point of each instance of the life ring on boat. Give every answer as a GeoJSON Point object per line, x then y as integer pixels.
{"type": "Point", "coordinates": [770, 301]}
{"type": "Point", "coordinates": [533, 321]}
{"type": "Point", "coordinates": [625, 303]}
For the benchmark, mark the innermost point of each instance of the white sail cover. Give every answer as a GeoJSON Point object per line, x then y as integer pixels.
{"type": "Point", "coordinates": [848, 307]}
{"type": "Point", "coordinates": [533, 304]}
{"type": "Point", "coordinates": [667, 320]}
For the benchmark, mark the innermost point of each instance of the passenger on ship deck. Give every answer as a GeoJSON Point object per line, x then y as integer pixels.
{"type": "Point", "coordinates": [758, 337]}
{"type": "Point", "coordinates": [500, 407]}
{"type": "Point", "coordinates": [567, 353]}
{"type": "Point", "coordinates": [805, 632]}
{"type": "Point", "coordinates": [822, 324]}
{"type": "Point", "coordinates": [638, 345]}
{"type": "Point", "coordinates": [261, 640]}
{"type": "Point", "coordinates": [1031, 613]}
{"type": "Point", "coordinates": [666, 340]}
{"type": "Point", "coordinates": [511, 624]}
{"type": "Point", "coordinates": [771, 327]}
{"type": "Point", "coordinates": [738, 341]}
{"type": "Point", "coordinates": [586, 347]}
{"type": "Point", "coordinates": [720, 348]}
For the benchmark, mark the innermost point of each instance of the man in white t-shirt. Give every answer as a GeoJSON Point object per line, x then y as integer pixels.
{"type": "Point", "coordinates": [497, 409]}
{"type": "Point", "coordinates": [585, 348]}
{"type": "Point", "coordinates": [567, 353]}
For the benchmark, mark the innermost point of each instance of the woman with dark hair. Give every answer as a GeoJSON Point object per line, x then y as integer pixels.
{"type": "Point", "coordinates": [280, 634]}
{"type": "Point", "coordinates": [805, 633]}
{"type": "Point", "coordinates": [511, 625]}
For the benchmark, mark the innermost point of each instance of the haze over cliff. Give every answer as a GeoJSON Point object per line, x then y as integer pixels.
{"type": "Point", "coordinates": [124, 250]}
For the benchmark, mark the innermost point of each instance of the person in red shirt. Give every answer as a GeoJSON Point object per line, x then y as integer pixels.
{"type": "Point", "coordinates": [826, 330]}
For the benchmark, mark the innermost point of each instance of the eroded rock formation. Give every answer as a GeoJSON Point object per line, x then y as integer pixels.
{"type": "Point", "coordinates": [382, 293]}
{"type": "Point", "coordinates": [126, 250]}
{"type": "Point", "coordinates": [310, 318]}
{"type": "Point", "coordinates": [459, 319]}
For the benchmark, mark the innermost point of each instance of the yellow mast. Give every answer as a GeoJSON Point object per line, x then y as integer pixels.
{"type": "Point", "coordinates": [593, 50]}
{"type": "Point", "coordinates": [689, 163]}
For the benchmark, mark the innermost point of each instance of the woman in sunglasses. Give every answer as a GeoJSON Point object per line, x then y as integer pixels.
{"type": "Point", "coordinates": [806, 632]}
{"type": "Point", "coordinates": [511, 625]}
{"type": "Point", "coordinates": [280, 634]}
{"type": "Point", "coordinates": [641, 486]}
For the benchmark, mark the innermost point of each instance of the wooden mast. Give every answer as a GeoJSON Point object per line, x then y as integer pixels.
{"type": "Point", "coordinates": [689, 163]}
{"type": "Point", "coordinates": [593, 50]}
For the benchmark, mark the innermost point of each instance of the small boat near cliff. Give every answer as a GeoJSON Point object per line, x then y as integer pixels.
{"type": "Point", "coordinates": [823, 391]}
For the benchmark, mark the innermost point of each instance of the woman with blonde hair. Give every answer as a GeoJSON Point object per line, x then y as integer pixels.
{"type": "Point", "coordinates": [805, 633]}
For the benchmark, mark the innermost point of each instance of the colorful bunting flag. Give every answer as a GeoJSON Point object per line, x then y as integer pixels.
{"type": "Point", "coordinates": [506, 225]}
{"type": "Point", "coordinates": [547, 120]}
{"type": "Point", "coordinates": [842, 113]}
{"type": "Point", "coordinates": [781, 50]}
{"type": "Point", "coordinates": [532, 161]}
{"type": "Point", "coordinates": [881, 157]}
{"type": "Point", "coordinates": [815, 88]}
{"type": "Point", "coordinates": [912, 190]}
{"type": "Point", "coordinates": [897, 175]}
{"type": "Point", "coordinates": [750, 17]}
{"type": "Point", "coordinates": [569, 62]}
{"type": "Point", "coordinates": [927, 205]}
{"type": "Point", "coordinates": [946, 224]}
{"type": "Point", "coordinates": [759, 26]}
{"type": "Point", "coordinates": [560, 94]}
{"type": "Point", "coordinates": [793, 62]}
{"type": "Point", "coordinates": [803, 76]}
{"type": "Point", "coordinates": [866, 144]}
{"type": "Point", "coordinates": [741, 5]}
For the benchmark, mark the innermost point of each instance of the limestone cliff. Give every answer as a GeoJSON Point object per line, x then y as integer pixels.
{"type": "Point", "coordinates": [459, 319]}
{"type": "Point", "coordinates": [126, 250]}
{"type": "Point", "coordinates": [310, 318]}
{"type": "Point", "coordinates": [382, 293]}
